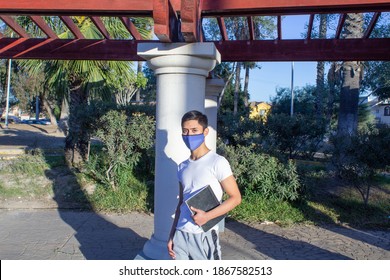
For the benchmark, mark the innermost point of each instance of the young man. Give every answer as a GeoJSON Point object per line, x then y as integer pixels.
{"type": "Point", "coordinates": [204, 167]}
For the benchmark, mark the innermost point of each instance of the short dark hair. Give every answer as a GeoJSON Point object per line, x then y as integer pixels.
{"type": "Point", "coordinates": [195, 115]}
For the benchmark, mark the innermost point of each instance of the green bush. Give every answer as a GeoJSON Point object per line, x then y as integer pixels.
{"type": "Point", "coordinates": [296, 136]}
{"type": "Point", "coordinates": [358, 158]}
{"type": "Point", "coordinates": [125, 139]}
{"type": "Point", "coordinates": [262, 174]}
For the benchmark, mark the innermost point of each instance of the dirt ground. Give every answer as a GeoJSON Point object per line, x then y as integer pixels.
{"type": "Point", "coordinates": [57, 187]}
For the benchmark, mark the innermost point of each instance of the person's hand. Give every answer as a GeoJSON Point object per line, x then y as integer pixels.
{"type": "Point", "coordinates": [170, 249]}
{"type": "Point", "coordinates": [200, 216]}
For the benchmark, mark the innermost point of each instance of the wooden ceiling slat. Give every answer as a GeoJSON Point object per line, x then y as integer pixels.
{"type": "Point", "coordinates": [14, 26]}
{"type": "Point", "coordinates": [222, 28]}
{"type": "Point", "coordinates": [72, 27]}
{"type": "Point", "coordinates": [340, 25]}
{"type": "Point", "coordinates": [372, 24]}
{"type": "Point", "coordinates": [310, 26]}
{"type": "Point", "coordinates": [251, 28]}
{"type": "Point", "coordinates": [41, 23]}
{"type": "Point", "coordinates": [97, 21]}
{"type": "Point", "coordinates": [131, 28]}
{"type": "Point", "coordinates": [279, 26]}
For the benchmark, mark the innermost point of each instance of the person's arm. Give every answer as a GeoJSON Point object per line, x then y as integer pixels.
{"type": "Point", "coordinates": [234, 198]}
{"type": "Point", "coordinates": [173, 229]}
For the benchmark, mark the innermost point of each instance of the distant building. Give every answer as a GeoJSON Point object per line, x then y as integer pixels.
{"type": "Point", "coordinates": [259, 110]}
{"type": "Point", "coordinates": [379, 108]}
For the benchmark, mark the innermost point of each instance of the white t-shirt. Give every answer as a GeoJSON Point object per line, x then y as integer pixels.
{"type": "Point", "coordinates": [210, 169]}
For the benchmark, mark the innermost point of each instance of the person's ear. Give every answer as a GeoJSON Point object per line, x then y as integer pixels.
{"type": "Point", "coordinates": [206, 131]}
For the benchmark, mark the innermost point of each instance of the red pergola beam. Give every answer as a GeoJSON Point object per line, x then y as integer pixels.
{"type": "Point", "coordinates": [258, 50]}
{"type": "Point", "coordinates": [165, 21]}
{"type": "Point", "coordinates": [190, 17]}
{"type": "Point", "coordinates": [305, 50]}
{"type": "Point", "coordinates": [82, 49]}
{"type": "Point", "coordinates": [207, 7]}
{"type": "Point", "coordinates": [257, 7]}
{"type": "Point", "coordinates": [66, 7]}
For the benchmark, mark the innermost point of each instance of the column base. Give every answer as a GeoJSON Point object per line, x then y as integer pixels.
{"type": "Point", "coordinates": [154, 250]}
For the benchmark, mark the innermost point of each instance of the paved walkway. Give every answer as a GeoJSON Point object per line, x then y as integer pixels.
{"type": "Point", "coordinates": [51, 234]}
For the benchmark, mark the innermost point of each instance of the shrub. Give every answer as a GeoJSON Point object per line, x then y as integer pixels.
{"type": "Point", "coordinates": [299, 135]}
{"type": "Point", "coordinates": [125, 139]}
{"type": "Point", "coordinates": [262, 174]}
{"type": "Point", "coordinates": [358, 158]}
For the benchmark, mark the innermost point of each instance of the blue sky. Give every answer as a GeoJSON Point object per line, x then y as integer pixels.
{"type": "Point", "coordinates": [264, 82]}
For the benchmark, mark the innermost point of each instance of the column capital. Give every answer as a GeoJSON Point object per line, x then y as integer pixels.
{"type": "Point", "coordinates": [214, 87]}
{"type": "Point", "coordinates": [193, 58]}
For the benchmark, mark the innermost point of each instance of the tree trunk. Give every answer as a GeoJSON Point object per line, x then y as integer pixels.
{"type": "Point", "coordinates": [349, 99]}
{"type": "Point", "coordinates": [246, 84]}
{"type": "Point", "coordinates": [333, 80]}
{"type": "Point", "coordinates": [237, 88]}
{"type": "Point", "coordinates": [138, 93]}
{"type": "Point", "coordinates": [76, 142]}
{"type": "Point", "coordinates": [49, 110]}
{"type": "Point", "coordinates": [349, 95]}
{"type": "Point", "coordinates": [63, 124]}
{"type": "Point", "coordinates": [320, 81]}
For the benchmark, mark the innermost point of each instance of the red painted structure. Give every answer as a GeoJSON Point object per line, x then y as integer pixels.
{"type": "Point", "coordinates": [183, 20]}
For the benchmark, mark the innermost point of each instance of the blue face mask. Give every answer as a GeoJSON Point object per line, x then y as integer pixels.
{"type": "Point", "coordinates": [193, 141]}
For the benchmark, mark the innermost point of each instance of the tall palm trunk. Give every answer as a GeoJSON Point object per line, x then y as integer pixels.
{"type": "Point", "coordinates": [349, 95]}
{"type": "Point", "coordinates": [237, 88]}
{"type": "Point", "coordinates": [333, 81]}
{"type": "Point", "coordinates": [246, 84]}
{"type": "Point", "coordinates": [320, 81]}
{"type": "Point", "coordinates": [349, 99]}
{"type": "Point", "coordinates": [77, 140]}
{"type": "Point", "coordinates": [138, 93]}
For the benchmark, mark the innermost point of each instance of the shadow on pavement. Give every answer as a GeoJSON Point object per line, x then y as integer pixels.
{"type": "Point", "coordinates": [98, 238]}
{"type": "Point", "coordinates": [279, 248]}
{"type": "Point", "coordinates": [30, 137]}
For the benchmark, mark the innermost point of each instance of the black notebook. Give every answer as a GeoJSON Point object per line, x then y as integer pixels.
{"type": "Point", "coordinates": [205, 200]}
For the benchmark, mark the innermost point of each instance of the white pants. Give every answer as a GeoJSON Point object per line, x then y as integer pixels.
{"type": "Point", "coordinates": [201, 246]}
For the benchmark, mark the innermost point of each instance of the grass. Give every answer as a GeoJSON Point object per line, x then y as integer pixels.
{"type": "Point", "coordinates": [324, 198]}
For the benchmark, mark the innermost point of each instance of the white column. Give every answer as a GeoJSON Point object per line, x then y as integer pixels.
{"type": "Point", "coordinates": [181, 71]}
{"type": "Point", "coordinates": [213, 90]}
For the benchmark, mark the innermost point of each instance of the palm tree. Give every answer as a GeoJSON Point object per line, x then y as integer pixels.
{"type": "Point", "coordinates": [320, 80]}
{"type": "Point", "coordinates": [351, 76]}
{"type": "Point", "coordinates": [75, 79]}
{"type": "Point", "coordinates": [247, 66]}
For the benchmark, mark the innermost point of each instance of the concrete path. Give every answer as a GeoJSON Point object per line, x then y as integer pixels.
{"type": "Point", "coordinates": [51, 234]}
